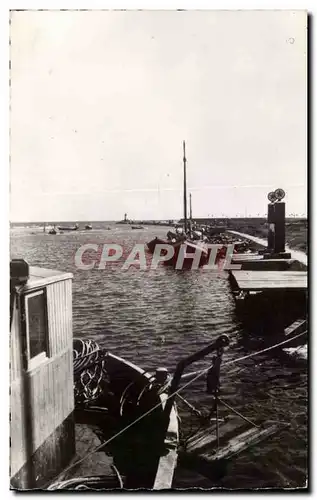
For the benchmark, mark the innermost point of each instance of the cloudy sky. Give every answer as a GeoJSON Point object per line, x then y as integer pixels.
{"type": "Point", "coordinates": [101, 102]}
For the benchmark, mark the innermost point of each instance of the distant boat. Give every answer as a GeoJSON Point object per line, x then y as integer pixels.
{"type": "Point", "coordinates": [68, 228]}
{"type": "Point", "coordinates": [52, 231]}
{"type": "Point", "coordinates": [137, 227]}
{"type": "Point", "coordinates": [88, 226]}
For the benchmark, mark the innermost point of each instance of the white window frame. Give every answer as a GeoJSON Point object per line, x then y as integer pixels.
{"type": "Point", "coordinates": [42, 356]}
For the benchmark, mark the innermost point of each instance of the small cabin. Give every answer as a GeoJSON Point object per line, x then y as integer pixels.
{"type": "Point", "coordinates": [42, 438]}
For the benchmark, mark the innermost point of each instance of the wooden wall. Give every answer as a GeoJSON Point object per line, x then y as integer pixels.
{"type": "Point", "coordinates": [49, 385]}
{"type": "Point", "coordinates": [59, 312]}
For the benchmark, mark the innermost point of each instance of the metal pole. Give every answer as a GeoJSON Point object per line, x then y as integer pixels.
{"type": "Point", "coordinates": [217, 422]}
{"type": "Point", "coordinates": [185, 188]}
{"type": "Point", "coordinates": [221, 341]}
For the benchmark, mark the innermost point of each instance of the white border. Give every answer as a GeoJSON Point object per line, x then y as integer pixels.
{"type": "Point", "coordinates": [5, 5]}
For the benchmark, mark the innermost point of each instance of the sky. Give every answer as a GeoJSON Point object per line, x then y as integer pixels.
{"type": "Point", "coordinates": [102, 100]}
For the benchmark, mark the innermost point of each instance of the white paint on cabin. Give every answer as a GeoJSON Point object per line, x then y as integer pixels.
{"type": "Point", "coordinates": [51, 378]}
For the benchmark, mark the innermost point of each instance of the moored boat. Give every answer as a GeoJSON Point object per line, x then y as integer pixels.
{"type": "Point", "coordinates": [180, 241]}
{"type": "Point", "coordinates": [111, 394]}
{"type": "Point", "coordinates": [101, 394]}
{"type": "Point", "coordinates": [183, 254]}
{"type": "Point", "coordinates": [181, 246]}
{"type": "Point", "coordinates": [88, 391]}
{"type": "Point", "coordinates": [157, 241]}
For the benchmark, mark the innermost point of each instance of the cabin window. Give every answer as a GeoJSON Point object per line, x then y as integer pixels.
{"type": "Point", "coordinates": [36, 328]}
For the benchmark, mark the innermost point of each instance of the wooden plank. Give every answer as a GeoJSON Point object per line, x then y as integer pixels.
{"type": "Point", "coordinates": [51, 384]}
{"type": "Point", "coordinates": [271, 265]}
{"type": "Point", "coordinates": [235, 437]}
{"type": "Point", "coordinates": [206, 439]}
{"type": "Point", "coordinates": [267, 280]}
{"type": "Point", "coordinates": [40, 277]}
{"type": "Point", "coordinates": [269, 275]}
{"type": "Point", "coordinates": [59, 300]}
{"type": "Point", "coordinates": [168, 462]}
{"type": "Point", "coordinates": [165, 472]}
{"type": "Point", "coordinates": [242, 442]}
{"type": "Point", "coordinates": [295, 327]}
{"type": "Point", "coordinates": [246, 257]}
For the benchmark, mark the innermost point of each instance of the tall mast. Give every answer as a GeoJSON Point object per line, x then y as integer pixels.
{"type": "Point", "coordinates": [190, 207]}
{"type": "Point", "coordinates": [185, 189]}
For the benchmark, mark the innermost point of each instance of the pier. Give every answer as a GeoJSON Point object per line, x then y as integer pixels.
{"type": "Point", "coordinates": [296, 254]}
{"type": "Point", "coordinates": [255, 281]}
{"type": "Point", "coordinates": [270, 289]}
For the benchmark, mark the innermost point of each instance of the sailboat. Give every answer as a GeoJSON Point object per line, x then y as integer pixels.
{"type": "Point", "coordinates": [182, 242]}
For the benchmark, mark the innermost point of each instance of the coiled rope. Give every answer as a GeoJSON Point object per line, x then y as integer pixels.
{"type": "Point", "coordinates": [196, 375]}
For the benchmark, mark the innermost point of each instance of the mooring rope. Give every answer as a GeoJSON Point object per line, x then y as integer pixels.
{"type": "Point", "coordinates": [199, 374]}
{"type": "Point", "coordinates": [192, 374]}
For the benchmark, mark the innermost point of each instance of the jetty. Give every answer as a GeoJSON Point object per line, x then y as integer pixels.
{"type": "Point", "coordinates": [296, 254]}
{"type": "Point", "coordinates": [270, 288]}
{"type": "Point", "coordinates": [254, 281]}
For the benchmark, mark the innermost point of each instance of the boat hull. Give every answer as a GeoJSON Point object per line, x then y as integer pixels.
{"type": "Point", "coordinates": [157, 241]}
{"type": "Point", "coordinates": [181, 246]}
{"type": "Point", "coordinates": [189, 249]}
{"type": "Point", "coordinates": [141, 446]}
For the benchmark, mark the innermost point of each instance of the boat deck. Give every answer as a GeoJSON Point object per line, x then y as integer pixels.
{"type": "Point", "coordinates": [97, 464]}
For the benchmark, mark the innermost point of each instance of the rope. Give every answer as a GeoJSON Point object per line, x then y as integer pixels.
{"type": "Point", "coordinates": [102, 445]}
{"type": "Point", "coordinates": [192, 408]}
{"type": "Point", "coordinates": [192, 374]}
{"type": "Point", "coordinates": [238, 413]}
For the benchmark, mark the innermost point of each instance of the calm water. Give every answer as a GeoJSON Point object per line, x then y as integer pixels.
{"type": "Point", "coordinates": [155, 318]}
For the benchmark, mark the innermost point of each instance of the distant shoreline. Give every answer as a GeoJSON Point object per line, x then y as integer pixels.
{"type": "Point", "coordinates": [153, 222]}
